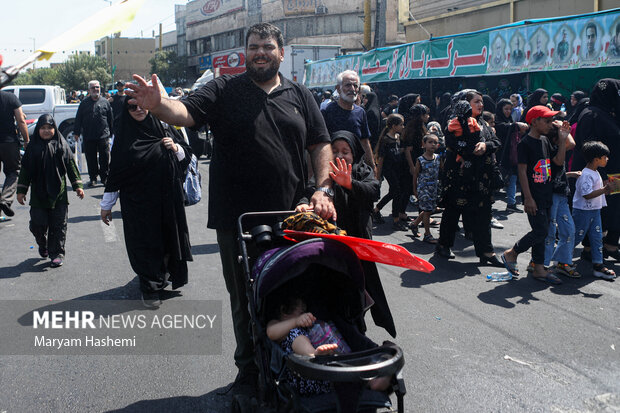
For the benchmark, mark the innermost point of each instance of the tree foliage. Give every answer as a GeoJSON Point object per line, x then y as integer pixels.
{"type": "Point", "coordinates": [170, 68]}
{"type": "Point", "coordinates": [42, 76]}
{"type": "Point", "coordinates": [78, 70]}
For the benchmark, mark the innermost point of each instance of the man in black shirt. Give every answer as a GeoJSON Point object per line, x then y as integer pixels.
{"type": "Point", "coordinates": [262, 124]}
{"type": "Point", "coordinates": [10, 113]}
{"type": "Point", "coordinates": [117, 101]}
{"type": "Point", "coordinates": [94, 120]}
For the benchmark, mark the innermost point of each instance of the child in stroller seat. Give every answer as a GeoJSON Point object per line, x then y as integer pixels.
{"type": "Point", "coordinates": [299, 332]}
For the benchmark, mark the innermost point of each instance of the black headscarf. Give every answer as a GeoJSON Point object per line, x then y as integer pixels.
{"type": "Point", "coordinates": [499, 112]}
{"type": "Point", "coordinates": [136, 145]}
{"type": "Point", "coordinates": [444, 101]}
{"type": "Point", "coordinates": [47, 160]}
{"type": "Point", "coordinates": [557, 100]}
{"type": "Point", "coordinates": [405, 103]}
{"type": "Point", "coordinates": [579, 107]}
{"type": "Point", "coordinates": [356, 147]}
{"type": "Point", "coordinates": [489, 103]}
{"type": "Point", "coordinates": [606, 96]}
{"type": "Point", "coordinates": [533, 100]}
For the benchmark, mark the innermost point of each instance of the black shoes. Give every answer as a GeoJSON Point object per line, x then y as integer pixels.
{"type": "Point", "coordinates": [7, 210]}
{"type": "Point", "coordinates": [57, 262]}
{"type": "Point", "coordinates": [400, 226]}
{"type": "Point", "coordinates": [612, 254]}
{"type": "Point", "coordinates": [43, 252]}
{"type": "Point", "coordinates": [151, 299]}
{"type": "Point", "coordinates": [91, 184]}
{"type": "Point", "coordinates": [444, 251]}
{"type": "Point", "coordinates": [492, 261]}
{"type": "Point", "coordinates": [377, 218]}
{"type": "Point", "coordinates": [513, 208]}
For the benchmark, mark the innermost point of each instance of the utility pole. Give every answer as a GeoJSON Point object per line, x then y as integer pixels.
{"type": "Point", "coordinates": [367, 24]}
{"type": "Point", "coordinates": [380, 28]}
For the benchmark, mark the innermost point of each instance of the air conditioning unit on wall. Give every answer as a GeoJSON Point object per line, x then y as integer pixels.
{"type": "Point", "coordinates": [322, 9]}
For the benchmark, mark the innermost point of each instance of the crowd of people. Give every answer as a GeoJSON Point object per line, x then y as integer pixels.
{"type": "Point", "coordinates": [278, 147]}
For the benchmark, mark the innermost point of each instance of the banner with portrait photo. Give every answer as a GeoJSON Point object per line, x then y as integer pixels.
{"type": "Point", "coordinates": [585, 41]}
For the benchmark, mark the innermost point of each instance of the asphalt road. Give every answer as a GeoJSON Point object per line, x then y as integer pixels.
{"type": "Point", "coordinates": [470, 345]}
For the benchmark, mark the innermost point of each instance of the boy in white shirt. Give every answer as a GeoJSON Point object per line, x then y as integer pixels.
{"type": "Point", "coordinates": [588, 201]}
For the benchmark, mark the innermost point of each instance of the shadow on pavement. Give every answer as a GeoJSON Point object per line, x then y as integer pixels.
{"type": "Point", "coordinates": [525, 286]}
{"type": "Point", "coordinates": [205, 249]}
{"type": "Point", "coordinates": [85, 218]}
{"type": "Point", "coordinates": [28, 265]}
{"type": "Point", "coordinates": [209, 402]}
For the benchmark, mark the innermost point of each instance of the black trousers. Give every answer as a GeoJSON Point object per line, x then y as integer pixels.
{"type": "Point", "coordinates": [49, 227]}
{"type": "Point", "coordinates": [91, 149]}
{"type": "Point", "coordinates": [479, 222]}
{"type": "Point", "coordinates": [395, 191]}
{"type": "Point", "coordinates": [535, 239]}
{"type": "Point", "coordinates": [10, 161]}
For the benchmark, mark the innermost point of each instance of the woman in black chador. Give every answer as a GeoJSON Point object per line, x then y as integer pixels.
{"type": "Point", "coordinates": [148, 166]}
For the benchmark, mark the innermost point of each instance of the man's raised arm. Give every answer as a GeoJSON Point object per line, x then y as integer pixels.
{"type": "Point", "coordinates": [148, 97]}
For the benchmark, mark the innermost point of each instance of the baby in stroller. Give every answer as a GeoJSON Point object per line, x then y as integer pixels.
{"type": "Point", "coordinates": [300, 332]}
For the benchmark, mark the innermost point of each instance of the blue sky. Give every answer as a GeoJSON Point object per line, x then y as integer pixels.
{"type": "Point", "coordinates": [43, 20]}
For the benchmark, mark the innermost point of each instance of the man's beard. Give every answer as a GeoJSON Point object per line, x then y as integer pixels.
{"type": "Point", "coordinates": [349, 98]}
{"type": "Point", "coordinates": [263, 74]}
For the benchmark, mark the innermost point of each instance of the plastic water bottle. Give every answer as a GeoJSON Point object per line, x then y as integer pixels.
{"type": "Point", "coordinates": [499, 276]}
{"type": "Point", "coordinates": [563, 108]}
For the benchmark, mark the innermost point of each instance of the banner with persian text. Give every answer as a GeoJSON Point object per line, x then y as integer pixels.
{"type": "Point", "coordinates": [579, 42]}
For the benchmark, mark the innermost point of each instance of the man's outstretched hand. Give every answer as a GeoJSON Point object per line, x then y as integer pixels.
{"type": "Point", "coordinates": [146, 96]}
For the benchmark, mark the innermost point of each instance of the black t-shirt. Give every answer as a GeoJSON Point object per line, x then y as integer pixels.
{"type": "Point", "coordinates": [117, 106]}
{"type": "Point", "coordinates": [354, 121]}
{"type": "Point", "coordinates": [539, 168]}
{"type": "Point", "coordinates": [8, 104]}
{"type": "Point", "coordinates": [390, 151]}
{"type": "Point", "coordinates": [259, 144]}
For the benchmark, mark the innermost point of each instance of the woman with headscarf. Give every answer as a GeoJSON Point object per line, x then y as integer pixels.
{"type": "Point", "coordinates": [557, 100]}
{"type": "Point", "coordinates": [539, 97]}
{"type": "Point", "coordinates": [579, 100]}
{"type": "Point", "coordinates": [405, 103]}
{"type": "Point", "coordinates": [507, 132]}
{"type": "Point", "coordinates": [600, 121]}
{"type": "Point", "coordinates": [517, 106]}
{"type": "Point", "coordinates": [355, 189]}
{"type": "Point", "coordinates": [468, 182]}
{"type": "Point", "coordinates": [489, 103]}
{"type": "Point", "coordinates": [373, 115]}
{"type": "Point", "coordinates": [46, 162]}
{"type": "Point", "coordinates": [147, 168]}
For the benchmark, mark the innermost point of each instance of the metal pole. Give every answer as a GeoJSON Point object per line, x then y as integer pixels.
{"type": "Point", "coordinates": [367, 24]}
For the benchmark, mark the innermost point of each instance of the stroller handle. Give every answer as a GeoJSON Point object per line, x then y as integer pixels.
{"type": "Point", "coordinates": [385, 360]}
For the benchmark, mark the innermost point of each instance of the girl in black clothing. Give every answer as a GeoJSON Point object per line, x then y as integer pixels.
{"type": "Point", "coordinates": [468, 182]}
{"type": "Point", "coordinates": [539, 97]}
{"type": "Point", "coordinates": [148, 166]}
{"type": "Point", "coordinates": [391, 165]}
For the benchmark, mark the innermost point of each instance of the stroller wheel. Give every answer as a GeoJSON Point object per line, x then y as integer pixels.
{"type": "Point", "coordinates": [243, 404]}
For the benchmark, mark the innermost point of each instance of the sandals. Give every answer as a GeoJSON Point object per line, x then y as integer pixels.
{"type": "Point", "coordinates": [429, 239]}
{"type": "Point", "coordinates": [511, 266]}
{"type": "Point", "coordinates": [414, 230]}
{"type": "Point", "coordinates": [603, 272]}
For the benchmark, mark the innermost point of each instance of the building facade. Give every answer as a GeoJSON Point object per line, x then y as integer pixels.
{"type": "Point", "coordinates": [447, 17]}
{"type": "Point", "coordinates": [127, 55]}
{"type": "Point", "coordinates": [215, 29]}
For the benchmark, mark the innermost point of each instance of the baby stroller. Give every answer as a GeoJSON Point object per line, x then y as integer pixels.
{"type": "Point", "coordinates": [332, 276]}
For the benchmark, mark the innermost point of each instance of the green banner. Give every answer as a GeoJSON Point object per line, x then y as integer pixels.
{"type": "Point", "coordinates": [583, 41]}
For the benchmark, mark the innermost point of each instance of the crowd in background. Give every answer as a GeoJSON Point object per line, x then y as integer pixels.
{"type": "Point", "coordinates": [416, 150]}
